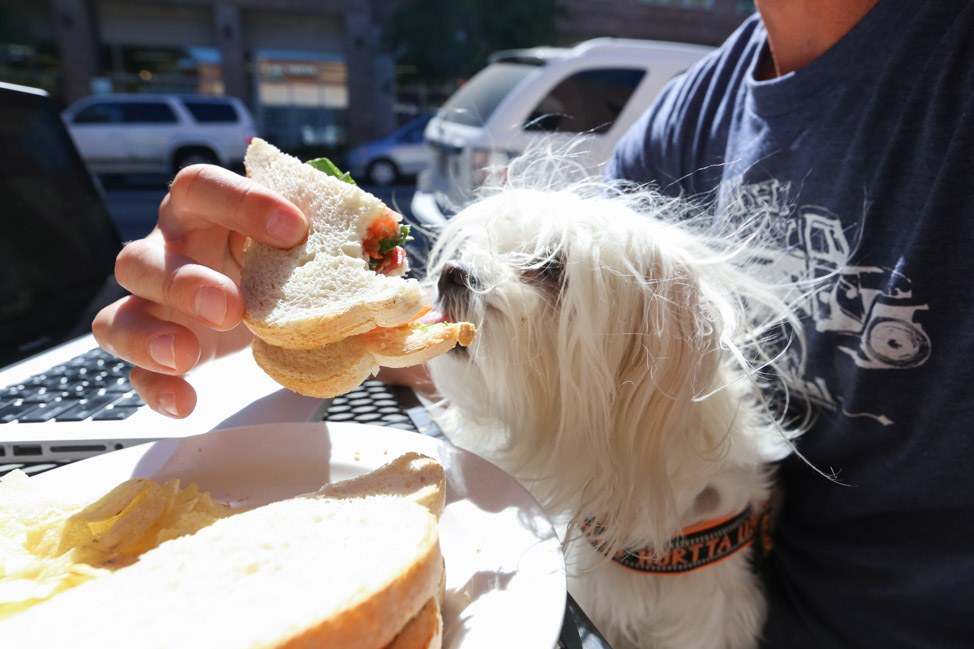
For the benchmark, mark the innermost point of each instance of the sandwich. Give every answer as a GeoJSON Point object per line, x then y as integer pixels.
{"type": "Point", "coordinates": [356, 565]}
{"type": "Point", "coordinates": [329, 312]}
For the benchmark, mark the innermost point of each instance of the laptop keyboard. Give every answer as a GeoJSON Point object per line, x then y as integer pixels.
{"type": "Point", "coordinates": [94, 385]}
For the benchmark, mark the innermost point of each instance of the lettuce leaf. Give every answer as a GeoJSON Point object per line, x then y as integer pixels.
{"type": "Point", "coordinates": [389, 244]}
{"type": "Point", "coordinates": [327, 166]}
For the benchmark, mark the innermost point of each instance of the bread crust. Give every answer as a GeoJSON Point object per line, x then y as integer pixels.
{"type": "Point", "coordinates": [424, 631]}
{"type": "Point", "coordinates": [339, 367]}
{"type": "Point", "coordinates": [322, 329]}
{"type": "Point", "coordinates": [412, 476]}
{"type": "Point", "coordinates": [375, 622]}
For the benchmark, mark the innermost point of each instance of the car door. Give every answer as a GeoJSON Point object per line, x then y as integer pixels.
{"type": "Point", "coordinates": [149, 128]}
{"type": "Point", "coordinates": [410, 152]}
{"type": "Point", "coordinates": [95, 131]}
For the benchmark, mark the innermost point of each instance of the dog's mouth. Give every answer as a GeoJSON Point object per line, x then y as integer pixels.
{"type": "Point", "coordinates": [452, 295]}
{"type": "Point", "coordinates": [435, 315]}
{"type": "Point", "coordinates": [452, 290]}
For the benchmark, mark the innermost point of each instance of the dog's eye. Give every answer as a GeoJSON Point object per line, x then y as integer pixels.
{"type": "Point", "coordinates": [547, 271]}
{"type": "Point", "coordinates": [455, 276]}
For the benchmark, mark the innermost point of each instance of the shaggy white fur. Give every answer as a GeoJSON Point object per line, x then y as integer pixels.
{"type": "Point", "coordinates": [617, 373]}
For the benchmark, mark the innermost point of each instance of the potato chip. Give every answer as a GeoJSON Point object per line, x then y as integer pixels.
{"type": "Point", "coordinates": [49, 544]}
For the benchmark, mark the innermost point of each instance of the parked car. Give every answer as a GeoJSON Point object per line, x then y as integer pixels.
{"type": "Point", "coordinates": [398, 155]}
{"type": "Point", "coordinates": [597, 88]}
{"type": "Point", "coordinates": [143, 133]}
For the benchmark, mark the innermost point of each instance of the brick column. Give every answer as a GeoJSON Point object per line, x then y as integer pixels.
{"type": "Point", "coordinates": [384, 85]}
{"type": "Point", "coordinates": [229, 37]}
{"type": "Point", "coordinates": [75, 28]}
{"type": "Point", "coordinates": [359, 53]}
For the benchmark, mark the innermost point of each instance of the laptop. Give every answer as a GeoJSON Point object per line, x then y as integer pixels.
{"type": "Point", "coordinates": [61, 397]}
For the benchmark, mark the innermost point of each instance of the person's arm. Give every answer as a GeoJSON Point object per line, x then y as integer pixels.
{"type": "Point", "coordinates": [656, 149]}
{"type": "Point", "coordinates": [186, 305]}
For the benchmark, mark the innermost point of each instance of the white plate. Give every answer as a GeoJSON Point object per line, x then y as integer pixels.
{"type": "Point", "coordinates": [505, 574]}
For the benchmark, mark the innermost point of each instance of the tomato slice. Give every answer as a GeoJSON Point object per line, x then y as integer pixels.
{"type": "Point", "coordinates": [391, 261]}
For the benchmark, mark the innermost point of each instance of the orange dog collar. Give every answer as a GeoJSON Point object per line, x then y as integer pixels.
{"type": "Point", "coordinates": [697, 546]}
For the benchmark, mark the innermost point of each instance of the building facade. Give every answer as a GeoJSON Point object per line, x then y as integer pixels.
{"type": "Point", "coordinates": [313, 71]}
{"type": "Point", "coordinates": [706, 22]}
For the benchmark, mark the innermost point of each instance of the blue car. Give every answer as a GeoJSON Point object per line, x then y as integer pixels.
{"type": "Point", "coordinates": [399, 155]}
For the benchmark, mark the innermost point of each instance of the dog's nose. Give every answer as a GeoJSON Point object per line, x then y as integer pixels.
{"type": "Point", "coordinates": [453, 276]}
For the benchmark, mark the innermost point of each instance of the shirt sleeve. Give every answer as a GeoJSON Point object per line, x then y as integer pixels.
{"type": "Point", "coordinates": [677, 142]}
{"type": "Point", "coordinates": [648, 152]}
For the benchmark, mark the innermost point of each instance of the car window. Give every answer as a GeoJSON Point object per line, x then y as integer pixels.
{"type": "Point", "coordinates": [412, 136]}
{"type": "Point", "coordinates": [586, 102]}
{"type": "Point", "coordinates": [103, 113]}
{"type": "Point", "coordinates": [412, 133]}
{"type": "Point", "coordinates": [147, 112]}
{"type": "Point", "coordinates": [211, 112]}
{"type": "Point", "coordinates": [473, 103]}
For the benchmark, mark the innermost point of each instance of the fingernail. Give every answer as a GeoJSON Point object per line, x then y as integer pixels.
{"type": "Point", "coordinates": [167, 402]}
{"type": "Point", "coordinates": [285, 226]}
{"type": "Point", "coordinates": [211, 304]}
{"type": "Point", "coordinates": [163, 351]}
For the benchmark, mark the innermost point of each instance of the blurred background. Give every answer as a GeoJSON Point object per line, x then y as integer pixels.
{"type": "Point", "coordinates": [193, 80]}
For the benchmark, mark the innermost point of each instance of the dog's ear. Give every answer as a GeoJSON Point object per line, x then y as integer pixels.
{"type": "Point", "coordinates": [632, 372]}
{"type": "Point", "coordinates": [548, 272]}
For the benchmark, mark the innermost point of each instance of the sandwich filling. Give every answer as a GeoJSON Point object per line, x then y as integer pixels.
{"type": "Point", "coordinates": [383, 244]}
{"type": "Point", "coordinates": [384, 240]}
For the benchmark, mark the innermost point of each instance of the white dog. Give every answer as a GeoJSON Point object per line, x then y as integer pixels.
{"type": "Point", "coordinates": [617, 375]}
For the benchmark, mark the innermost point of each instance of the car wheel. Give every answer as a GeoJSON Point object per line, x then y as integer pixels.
{"type": "Point", "coordinates": [188, 157]}
{"type": "Point", "coordinates": [382, 172]}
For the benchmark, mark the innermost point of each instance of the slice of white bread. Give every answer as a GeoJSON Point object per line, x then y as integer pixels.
{"type": "Point", "coordinates": [411, 476]}
{"type": "Point", "coordinates": [423, 631]}
{"type": "Point", "coordinates": [322, 290]}
{"type": "Point", "coordinates": [339, 367]}
{"type": "Point", "coordinates": [298, 573]}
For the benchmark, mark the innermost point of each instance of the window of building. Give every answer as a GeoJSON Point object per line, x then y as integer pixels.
{"type": "Point", "coordinates": [586, 102]}
{"type": "Point", "coordinates": [187, 70]}
{"type": "Point", "coordinates": [302, 98]}
{"type": "Point", "coordinates": [211, 112]}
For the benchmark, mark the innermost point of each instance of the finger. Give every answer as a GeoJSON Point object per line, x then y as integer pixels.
{"type": "Point", "coordinates": [128, 329]}
{"type": "Point", "coordinates": [169, 395]}
{"type": "Point", "coordinates": [147, 270]}
{"type": "Point", "coordinates": [211, 195]}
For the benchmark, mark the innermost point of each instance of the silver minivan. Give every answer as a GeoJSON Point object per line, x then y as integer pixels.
{"type": "Point", "coordinates": [597, 88]}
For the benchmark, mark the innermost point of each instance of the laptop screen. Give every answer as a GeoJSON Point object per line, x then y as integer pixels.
{"type": "Point", "coordinates": [57, 241]}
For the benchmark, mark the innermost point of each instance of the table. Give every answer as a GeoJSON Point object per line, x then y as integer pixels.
{"type": "Point", "coordinates": [379, 404]}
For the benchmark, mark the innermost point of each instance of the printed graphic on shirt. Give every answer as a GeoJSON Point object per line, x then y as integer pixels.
{"type": "Point", "coordinates": [872, 309]}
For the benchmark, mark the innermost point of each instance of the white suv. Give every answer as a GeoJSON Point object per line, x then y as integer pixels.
{"type": "Point", "coordinates": [597, 88]}
{"type": "Point", "coordinates": [142, 133]}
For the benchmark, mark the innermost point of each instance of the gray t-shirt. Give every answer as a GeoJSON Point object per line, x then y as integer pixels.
{"type": "Point", "coordinates": [865, 155]}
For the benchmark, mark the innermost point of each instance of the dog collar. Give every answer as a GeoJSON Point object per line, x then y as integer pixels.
{"type": "Point", "coordinates": [697, 546]}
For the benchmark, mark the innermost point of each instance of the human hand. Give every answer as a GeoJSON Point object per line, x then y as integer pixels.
{"type": "Point", "coordinates": [416, 377]}
{"type": "Point", "coordinates": [186, 304]}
